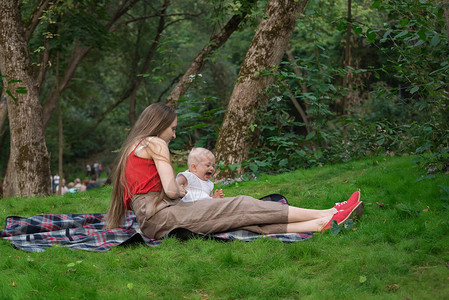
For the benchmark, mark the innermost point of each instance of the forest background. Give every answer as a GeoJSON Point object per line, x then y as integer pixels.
{"type": "Point", "coordinates": [358, 78]}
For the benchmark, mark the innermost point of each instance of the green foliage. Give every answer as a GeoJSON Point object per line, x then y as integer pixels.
{"type": "Point", "coordinates": [416, 46]}
{"type": "Point", "coordinates": [279, 148]}
{"type": "Point", "coordinates": [336, 229]}
{"type": "Point", "coordinates": [195, 116]}
{"type": "Point", "coordinates": [405, 111]}
{"type": "Point", "coordinates": [18, 90]}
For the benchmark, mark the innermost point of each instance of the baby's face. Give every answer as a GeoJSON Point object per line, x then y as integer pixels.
{"type": "Point", "coordinates": [205, 168]}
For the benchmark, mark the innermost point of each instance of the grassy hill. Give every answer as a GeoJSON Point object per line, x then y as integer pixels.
{"type": "Point", "coordinates": [399, 249]}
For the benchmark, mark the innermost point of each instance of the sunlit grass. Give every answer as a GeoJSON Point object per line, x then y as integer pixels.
{"type": "Point", "coordinates": [398, 250]}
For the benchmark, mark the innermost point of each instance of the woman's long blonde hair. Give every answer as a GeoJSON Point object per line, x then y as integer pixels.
{"type": "Point", "coordinates": [152, 122]}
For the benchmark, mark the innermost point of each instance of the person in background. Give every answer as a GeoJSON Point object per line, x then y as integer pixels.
{"type": "Point", "coordinates": [71, 188]}
{"type": "Point", "coordinates": [88, 170]}
{"type": "Point", "coordinates": [93, 183]}
{"type": "Point", "coordinates": [61, 189]}
{"type": "Point", "coordinates": [95, 169]}
{"type": "Point", "coordinates": [56, 179]}
{"type": "Point", "coordinates": [85, 183]}
{"type": "Point", "coordinates": [80, 187]}
{"type": "Point", "coordinates": [99, 170]}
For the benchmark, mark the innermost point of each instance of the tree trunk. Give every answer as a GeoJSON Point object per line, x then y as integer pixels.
{"type": "Point", "coordinates": [60, 132]}
{"type": "Point", "coordinates": [266, 50]}
{"type": "Point", "coordinates": [195, 68]}
{"type": "Point", "coordinates": [28, 171]}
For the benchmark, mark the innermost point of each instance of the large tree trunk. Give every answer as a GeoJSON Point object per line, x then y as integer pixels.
{"type": "Point", "coordinates": [266, 50]}
{"type": "Point", "coordinates": [28, 171]}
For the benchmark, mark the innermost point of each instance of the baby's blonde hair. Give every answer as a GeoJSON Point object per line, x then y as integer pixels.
{"type": "Point", "coordinates": [196, 153]}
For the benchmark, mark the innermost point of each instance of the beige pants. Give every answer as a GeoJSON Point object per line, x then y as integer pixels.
{"type": "Point", "coordinates": [209, 216]}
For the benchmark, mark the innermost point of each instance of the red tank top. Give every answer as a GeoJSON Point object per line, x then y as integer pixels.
{"type": "Point", "coordinates": [141, 176]}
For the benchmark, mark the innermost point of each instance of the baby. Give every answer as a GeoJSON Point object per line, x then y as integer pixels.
{"type": "Point", "coordinates": [201, 163]}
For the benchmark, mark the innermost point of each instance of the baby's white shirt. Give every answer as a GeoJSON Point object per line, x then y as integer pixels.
{"type": "Point", "coordinates": [196, 188]}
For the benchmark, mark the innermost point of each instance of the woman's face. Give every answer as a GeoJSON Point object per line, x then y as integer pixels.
{"type": "Point", "coordinates": [170, 132]}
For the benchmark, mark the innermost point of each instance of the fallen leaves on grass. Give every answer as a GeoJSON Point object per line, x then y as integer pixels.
{"type": "Point", "coordinates": [380, 204]}
{"type": "Point", "coordinates": [393, 287]}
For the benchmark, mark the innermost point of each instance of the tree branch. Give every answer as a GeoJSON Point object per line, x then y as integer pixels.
{"type": "Point", "coordinates": [126, 6]}
{"type": "Point", "coordinates": [154, 16]}
{"type": "Point", "coordinates": [45, 57]}
{"type": "Point", "coordinates": [172, 83]}
{"type": "Point", "coordinates": [35, 18]}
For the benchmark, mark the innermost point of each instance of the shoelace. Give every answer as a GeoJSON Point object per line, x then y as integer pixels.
{"type": "Point", "coordinates": [338, 204]}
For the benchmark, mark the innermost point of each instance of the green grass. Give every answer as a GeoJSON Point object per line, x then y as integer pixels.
{"type": "Point", "coordinates": [399, 251]}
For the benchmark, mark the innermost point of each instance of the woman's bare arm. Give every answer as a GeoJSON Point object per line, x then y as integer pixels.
{"type": "Point", "coordinates": [157, 150]}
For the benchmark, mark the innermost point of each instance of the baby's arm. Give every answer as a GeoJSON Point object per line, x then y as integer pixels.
{"type": "Point", "coordinates": [181, 180]}
{"type": "Point", "coordinates": [218, 194]}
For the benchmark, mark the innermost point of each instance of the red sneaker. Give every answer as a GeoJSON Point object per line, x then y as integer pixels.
{"type": "Point", "coordinates": [355, 197]}
{"type": "Point", "coordinates": [354, 213]}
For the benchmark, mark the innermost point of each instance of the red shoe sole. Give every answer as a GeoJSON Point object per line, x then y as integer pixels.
{"type": "Point", "coordinates": [357, 212]}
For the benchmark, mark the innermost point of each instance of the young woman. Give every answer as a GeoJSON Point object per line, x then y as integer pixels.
{"type": "Point", "coordinates": [144, 181]}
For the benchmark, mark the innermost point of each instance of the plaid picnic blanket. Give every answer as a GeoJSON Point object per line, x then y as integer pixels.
{"type": "Point", "coordinates": [86, 232]}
